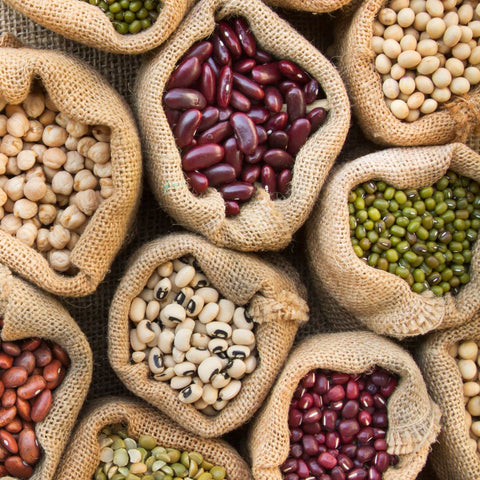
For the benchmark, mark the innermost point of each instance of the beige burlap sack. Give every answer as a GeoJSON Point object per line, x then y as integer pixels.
{"type": "Point", "coordinates": [452, 456]}
{"type": "Point", "coordinates": [88, 24]}
{"type": "Point", "coordinates": [314, 6]}
{"type": "Point", "coordinates": [262, 224]}
{"type": "Point", "coordinates": [276, 304]}
{"type": "Point", "coordinates": [413, 418]}
{"type": "Point", "coordinates": [27, 312]}
{"type": "Point", "coordinates": [380, 300]}
{"type": "Point", "coordinates": [82, 456]}
{"type": "Point", "coordinates": [356, 58]}
{"type": "Point", "coordinates": [85, 96]}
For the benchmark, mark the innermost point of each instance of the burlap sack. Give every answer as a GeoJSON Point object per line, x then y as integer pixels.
{"type": "Point", "coordinates": [82, 457]}
{"type": "Point", "coordinates": [85, 96]}
{"type": "Point", "coordinates": [382, 301]}
{"type": "Point", "coordinates": [413, 418]}
{"type": "Point", "coordinates": [276, 304]}
{"type": "Point", "coordinates": [314, 6]}
{"type": "Point", "coordinates": [262, 224]}
{"type": "Point", "coordinates": [88, 24]}
{"type": "Point", "coordinates": [356, 58]}
{"type": "Point", "coordinates": [27, 312]}
{"type": "Point", "coordinates": [452, 457]}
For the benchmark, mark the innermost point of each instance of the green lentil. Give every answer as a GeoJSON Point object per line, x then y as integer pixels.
{"type": "Point", "coordinates": [425, 236]}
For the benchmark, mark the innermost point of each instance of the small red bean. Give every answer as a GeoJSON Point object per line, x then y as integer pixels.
{"type": "Point", "coordinates": [186, 74]}
{"type": "Point", "coordinates": [202, 156]}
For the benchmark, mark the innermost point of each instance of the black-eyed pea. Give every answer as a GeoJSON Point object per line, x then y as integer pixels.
{"type": "Point", "coordinates": [242, 336]}
{"type": "Point", "coordinates": [153, 309]}
{"type": "Point", "coordinates": [230, 391]}
{"type": "Point", "coordinates": [218, 345]}
{"type": "Point", "coordinates": [135, 343]}
{"type": "Point", "coordinates": [191, 394]}
{"type": "Point", "coordinates": [238, 351]}
{"type": "Point", "coordinates": [220, 380]}
{"type": "Point", "coordinates": [179, 383]}
{"type": "Point", "coordinates": [236, 368]}
{"type": "Point", "coordinates": [184, 296]}
{"type": "Point", "coordinates": [208, 368]}
{"type": "Point", "coordinates": [139, 356]}
{"type": "Point", "coordinates": [165, 270]}
{"type": "Point", "coordinates": [173, 312]}
{"type": "Point", "coordinates": [177, 355]}
{"type": "Point", "coordinates": [153, 280]}
{"type": "Point", "coordinates": [250, 363]}
{"type": "Point", "coordinates": [165, 341]}
{"type": "Point", "coordinates": [199, 280]}
{"type": "Point", "coordinates": [157, 330]}
{"type": "Point", "coordinates": [200, 328]}
{"type": "Point", "coordinates": [218, 329]}
{"type": "Point", "coordinates": [137, 309]}
{"type": "Point", "coordinates": [199, 405]}
{"type": "Point", "coordinates": [162, 289]}
{"type": "Point", "coordinates": [182, 339]}
{"type": "Point", "coordinates": [209, 313]}
{"type": "Point", "coordinates": [199, 339]}
{"type": "Point", "coordinates": [188, 324]}
{"type": "Point", "coordinates": [226, 310]}
{"type": "Point", "coordinates": [209, 411]}
{"type": "Point", "coordinates": [194, 305]}
{"type": "Point", "coordinates": [241, 319]}
{"type": "Point", "coordinates": [166, 375]}
{"type": "Point", "coordinates": [210, 394]}
{"type": "Point", "coordinates": [147, 295]}
{"type": "Point", "coordinates": [185, 369]}
{"type": "Point", "coordinates": [197, 354]}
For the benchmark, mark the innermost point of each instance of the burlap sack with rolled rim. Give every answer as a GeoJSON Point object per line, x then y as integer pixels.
{"type": "Point", "coordinates": [380, 300]}
{"type": "Point", "coordinates": [452, 457]}
{"type": "Point", "coordinates": [85, 96]}
{"type": "Point", "coordinates": [314, 6]}
{"type": "Point", "coordinates": [27, 312]}
{"type": "Point", "coordinates": [82, 457]}
{"type": "Point", "coordinates": [275, 303]}
{"type": "Point", "coordinates": [88, 24]}
{"type": "Point", "coordinates": [356, 59]}
{"type": "Point", "coordinates": [262, 224]}
{"type": "Point", "coordinates": [413, 418]}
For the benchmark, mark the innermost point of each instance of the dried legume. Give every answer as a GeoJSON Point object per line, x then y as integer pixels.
{"type": "Point", "coordinates": [123, 458]}
{"type": "Point", "coordinates": [425, 236]}
{"type": "Point", "coordinates": [192, 337]}
{"type": "Point", "coordinates": [240, 116]}
{"type": "Point", "coordinates": [338, 425]}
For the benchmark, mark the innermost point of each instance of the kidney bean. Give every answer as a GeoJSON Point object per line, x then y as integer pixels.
{"type": "Point", "coordinates": [238, 191]}
{"type": "Point", "coordinates": [214, 65]}
{"type": "Point", "coordinates": [186, 74]}
{"type": "Point", "coordinates": [14, 377]}
{"type": "Point", "coordinates": [201, 50]}
{"type": "Point", "coordinates": [11, 349]}
{"type": "Point", "coordinates": [273, 99]}
{"type": "Point", "coordinates": [256, 156]}
{"type": "Point", "coordinates": [216, 134]}
{"type": "Point", "coordinates": [51, 385]}
{"type": "Point", "coordinates": [4, 453]}
{"type": "Point", "coordinates": [240, 102]}
{"type": "Point", "coordinates": [33, 386]}
{"type": "Point", "coordinates": [266, 74]}
{"type": "Point", "coordinates": [263, 57]}
{"type": "Point", "coordinates": [247, 40]}
{"type": "Point", "coordinates": [269, 182]}
{"type": "Point", "coordinates": [186, 127]}
{"type": "Point", "coordinates": [16, 467]}
{"type": "Point", "coordinates": [286, 85]}
{"type": "Point", "coordinates": [202, 156]}
{"type": "Point", "coordinates": [7, 441]}
{"type": "Point", "coordinates": [208, 83]}
{"type": "Point", "coordinates": [251, 173]}
{"type": "Point", "coordinates": [220, 52]}
{"type": "Point", "coordinates": [219, 174]}
{"type": "Point", "coordinates": [248, 87]}
{"type": "Point", "coordinates": [233, 155]}
{"type": "Point", "coordinates": [172, 116]}
{"type": "Point", "coordinates": [298, 134]}
{"type": "Point", "coordinates": [185, 98]}
{"type": "Point", "coordinates": [230, 39]}
{"type": "Point", "coordinates": [28, 446]}
{"type": "Point", "coordinates": [293, 72]}
{"type": "Point", "coordinates": [232, 208]}
{"type": "Point", "coordinates": [41, 406]}
{"type": "Point", "coordinates": [15, 426]}
{"type": "Point", "coordinates": [198, 181]}
{"type": "Point", "coordinates": [23, 409]}
{"type": "Point", "coordinates": [244, 66]}
{"type": "Point", "coordinates": [278, 159]}
{"type": "Point", "coordinates": [258, 115]}
{"type": "Point", "coordinates": [7, 415]}
{"type": "Point", "coordinates": [224, 114]}
{"type": "Point", "coordinates": [311, 91]}
{"type": "Point", "coordinates": [29, 345]}
{"type": "Point", "coordinates": [316, 117]}
{"type": "Point", "coordinates": [2, 388]}
{"type": "Point", "coordinates": [209, 118]}
{"type": "Point", "coordinates": [6, 361]}
{"type": "Point", "coordinates": [9, 398]}
{"type": "Point", "coordinates": [296, 104]}
{"type": "Point", "coordinates": [278, 139]}
{"type": "Point", "coordinates": [276, 122]}
{"type": "Point", "coordinates": [245, 132]}
{"type": "Point", "coordinates": [283, 183]}
{"type": "Point", "coordinates": [225, 82]}
{"type": "Point", "coordinates": [261, 133]}
{"type": "Point", "coordinates": [26, 360]}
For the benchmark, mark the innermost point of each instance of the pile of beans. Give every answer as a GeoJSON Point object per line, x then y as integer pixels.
{"type": "Point", "coordinates": [424, 236]}
{"type": "Point", "coordinates": [467, 357]}
{"type": "Point", "coordinates": [239, 115]}
{"type": "Point", "coordinates": [129, 16]}
{"type": "Point", "coordinates": [30, 370]}
{"type": "Point", "coordinates": [123, 458]}
{"type": "Point", "coordinates": [426, 51]}
{"type": "Point", "coordinates": [338, 425]}
{"type": "Point", "coordinates": [54, 173]}
{"type": "Point", "coordinates": [201, 343]}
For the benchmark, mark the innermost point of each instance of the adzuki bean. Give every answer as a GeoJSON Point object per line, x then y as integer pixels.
{"type": "Point", "coordinates": [244, 108]}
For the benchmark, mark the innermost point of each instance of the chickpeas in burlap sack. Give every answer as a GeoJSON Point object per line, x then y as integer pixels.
{"type": "Point", "coordinates": [454, 455]}
{"type": "Point", "coordinates": [82, 457]}
{"type": "Point", "coordinates": [86, 23]}
{"type": "Point", "coordinates": [262, 224]}
{"type": "Point", "coordinates": [82, 98]}
{"type": "Point", "coordinates": [274, 301]}
{"type": "Point", "coordinates": [382, 301]}
{"type": "Point", "coordinates": [413, 418]}
{"type": "Point", "coordinates": [27, 312]}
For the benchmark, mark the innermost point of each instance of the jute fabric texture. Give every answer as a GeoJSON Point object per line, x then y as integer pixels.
{"type": "Point", "coordinates": [413, 418]}
{"type": "Point", "coordinates": [380, 300]}
{"type": "Point", "coordinates": [262, 224]}
{"type": "Point", "coordinates": [452, 456]}
{"type": "Point", "coordinates": [314, 6]}
{"type": "Point", "coordinates": [455, 121]}
{"type": "Point", "coordinates": [88, 24]}
{"type": "Point", "coordinates": [83, 454]}
{"type": "Point", "coordinates": [27, 312]}
{"type": "Point", "coordinates": [276, 304]}
{"type": "Point", "coordinates": [82, 94]}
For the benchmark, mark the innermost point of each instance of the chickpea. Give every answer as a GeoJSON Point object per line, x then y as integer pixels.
{"type": "Point", "coordinates": [35, 132]}
{"type": "Point", "coordinates": [18, 125]}
{"type": "Point", "coordinates": [54, 158]}
{"type": "Point", "coordinates": [76, 129]}
{"type": "Point", "coordinates": [25, 208]}
{"type": "Point", "coordinates": [35, 189]}
{"type": "Point", "coordinates": [72, 218]}
{"type": "Point", "coordinates": [47, 214]}
{"type": "Point", "coordinates": [71, 143]}
{"type": "Point", "coordinates": [84, 145]}
{"type": "Point", "coordinates": [11, 146]}
{"type": "Point", "coordinates": [87, 201]}
{"type": "Point", "coordinates": [14, 187]}
{"type": "Point", "coordinates": [62, 183]}
{"type": "Point", "coordinates": [3, 163]}
{"type": "Point", "coordinates": [101, 133]}
{"type": "Point", "coordinates": [43, 244]}
{"type": "Point", "coordinates": [10, 224]}
{"type": "Point", "coordinates": [34, 104]}
{"type": "Point", "coordinates": [54, 136]}
{"type": "Point", "coordinates": [27, 234]}
{"type": "Point", "coordinates": [47, 117]}
{"type": "Point", "coordinates": [59, 260]}
{"type": "Point", "coordinates": [84, 180]}
{"type": "Point", "coordinates": [26, 159]}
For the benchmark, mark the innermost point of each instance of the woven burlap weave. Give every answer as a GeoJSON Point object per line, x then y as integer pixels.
{"type": "Point", "coordinates": [413, 419]}
{"type": "Point", "coordinates": [85, 96]}
{"type": "Point", "coordinates": [275, 303]}
{"type": "Point", "coordinates": [83, 454]}
{"type": "Point", "coordinates": [87, 24]}
{"type": "Point", "coordinates": [262, 224]}
{"type": "Point", "coordinates": [314, 6]}
{"type": "Point", "coordinates": [380, 300]}
{"type": "Point", "coordinates": [452, 456]}
{"type": "Point", "coordinates": [27, 312]}
{"type": "Point", "coordinates": [364, 85]}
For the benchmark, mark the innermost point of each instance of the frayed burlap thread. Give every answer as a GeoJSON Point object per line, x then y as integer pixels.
{"type": "Point", "coordinates": [27, 312]}
{"type": "Point", "coordinates": [364, 85]}
{"type": "Point", "coordinates": [382, 301]}
{"type": "Point", "coordinates": [413, 418]}
{"type": "Point", "coordinates": [276, 303]}
{"type": "Point", "coordinates": [81, 93]}
{"type": "Point", "coordinates": [262, 224]}
{"type": "Point", "coordinates": [452, 456]}
{"type": "Point", "coordinates": [88, 24]}
{"type": "Point", "coordinates": [82, 456]}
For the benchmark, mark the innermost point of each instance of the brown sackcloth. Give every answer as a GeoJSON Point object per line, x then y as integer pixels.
{"type": "Point", "coordinates": [275, 302]}
{"type": "Point", "coordinates": [413, 418]}
{"type": "Point", "coordinates": [88, 24]}
{"type": "Point", "coordinates": [262, 224]}
{"type": "Point", "coordinates": [85, 96]}
{"type": "Point", "coordinates": [28, 312]}
{"type": "Point", "coordinates": [452, 457]}
{"type": "Point", "coordinates": [380, 300]}
{"type": "Point", "coordinates": [356, 58]}
{"type": "Point", "coordinates": [82, 456]}
{"type": "Point", "coordinates": [314, 6]}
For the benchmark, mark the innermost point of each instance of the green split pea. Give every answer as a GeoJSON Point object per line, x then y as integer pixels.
{"type": "Point", "coordinates": [424, 236]}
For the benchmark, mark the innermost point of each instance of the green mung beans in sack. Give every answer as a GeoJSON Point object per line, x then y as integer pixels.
{"type": "Point", "coordinates": [414, 266]}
